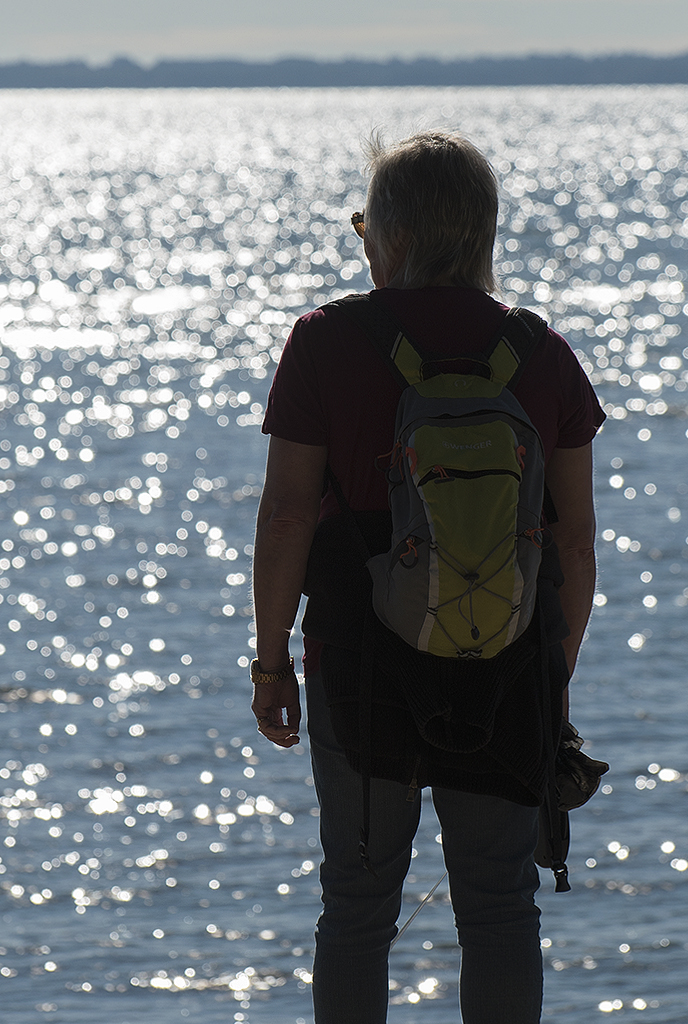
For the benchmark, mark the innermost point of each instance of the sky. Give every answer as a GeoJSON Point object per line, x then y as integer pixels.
{"type": "Point", "coordinates": [147, 30]}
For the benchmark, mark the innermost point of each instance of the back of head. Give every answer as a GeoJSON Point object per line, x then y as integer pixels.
{"type": "Point", "coordinates": [431, 212]}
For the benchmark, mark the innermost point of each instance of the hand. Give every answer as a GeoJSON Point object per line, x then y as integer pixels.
{"type": "Point", "coordinates": [269, 700]}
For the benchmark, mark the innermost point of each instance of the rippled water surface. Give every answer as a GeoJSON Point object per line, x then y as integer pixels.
{"type": "Point", "coordinates": [158, 857]}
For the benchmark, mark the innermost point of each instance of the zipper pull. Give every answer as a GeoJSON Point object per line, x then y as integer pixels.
{"type": "Point", "coordinates": [413, 787]}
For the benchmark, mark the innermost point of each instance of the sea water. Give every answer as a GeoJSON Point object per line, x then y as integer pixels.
{"type": "Point", "coordinates": [158, 857]}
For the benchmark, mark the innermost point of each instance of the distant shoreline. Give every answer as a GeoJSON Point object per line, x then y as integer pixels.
{"type": "Point", "coordinates": [564, 69]}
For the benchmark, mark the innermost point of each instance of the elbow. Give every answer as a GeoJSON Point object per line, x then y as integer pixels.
{"type": "Point", "coordinates": [282, 519]}
{"type": "Point", "coordinates": [582, 544]}
{"type": "Point", "coordinates": [575, 534]}
{"type": "Point", "coordinates": [580, 557]}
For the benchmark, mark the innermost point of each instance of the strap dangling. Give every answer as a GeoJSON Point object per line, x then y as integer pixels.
{"type": "Point", "coordinates": [555, 817]}
{"type": "Point", "coordinates": [365, 705]}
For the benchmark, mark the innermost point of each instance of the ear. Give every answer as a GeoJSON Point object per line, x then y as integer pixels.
{"type": "Point", "coordinates": [378, 272]}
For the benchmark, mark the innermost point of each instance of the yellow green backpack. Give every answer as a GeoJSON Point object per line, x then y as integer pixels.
{"type": "Point", "coordinates": [466, 483]}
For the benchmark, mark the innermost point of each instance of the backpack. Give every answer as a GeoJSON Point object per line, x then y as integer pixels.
{"type": "Point", "coordinates": [466, 486]}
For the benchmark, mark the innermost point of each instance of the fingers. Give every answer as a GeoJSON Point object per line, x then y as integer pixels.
{"type": "Point", "coordinates": [281, 735]}
{"type": "Point", "coordinates": [277, 732]}
{"type": "Point", "coordinates": [269, 701]}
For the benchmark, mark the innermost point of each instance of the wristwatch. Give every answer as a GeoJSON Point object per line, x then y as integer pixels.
{"type": "Point", "coordinates": [258, 676]}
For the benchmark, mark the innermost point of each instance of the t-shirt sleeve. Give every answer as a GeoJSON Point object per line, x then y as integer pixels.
{"type": "Point", "coordinates": [581, 415]}
{"type": "Point", "coordinates": [294, 411]}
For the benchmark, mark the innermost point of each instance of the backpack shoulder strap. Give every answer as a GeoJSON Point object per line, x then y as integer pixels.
{"type": "Point", "coordinates": [403, 357]}
{"type": "Point", "coordinates": [514, 344]}
{"type": "Point", "coordinates": [507, 355]}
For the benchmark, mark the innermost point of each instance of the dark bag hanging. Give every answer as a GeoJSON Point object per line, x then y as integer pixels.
{"type": "Point", "coordinates": [576, 780]}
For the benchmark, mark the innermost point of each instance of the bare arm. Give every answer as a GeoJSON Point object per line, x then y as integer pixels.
{"type": "Point", "coordinates": [569, 478]}
{"type": "Point", "coordinates": [287, 517]}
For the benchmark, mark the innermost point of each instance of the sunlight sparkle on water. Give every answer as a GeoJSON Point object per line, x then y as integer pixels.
{"type": "Point", "coordinates": [154, 252]}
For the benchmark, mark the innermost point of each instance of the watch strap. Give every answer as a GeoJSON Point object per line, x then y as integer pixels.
{"type": "Point", "coordinates": [258, 676]}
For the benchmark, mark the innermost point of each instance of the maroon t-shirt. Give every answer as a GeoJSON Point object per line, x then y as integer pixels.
{"type": "Point", "coordinates": [332, 388]}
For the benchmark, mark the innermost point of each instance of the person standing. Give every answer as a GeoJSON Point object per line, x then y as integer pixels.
{"type": "Point", "coordinates": [428, 229]}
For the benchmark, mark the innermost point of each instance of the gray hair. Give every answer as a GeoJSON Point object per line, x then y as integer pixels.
{"type": "Point", "coordinates": [431, 211]}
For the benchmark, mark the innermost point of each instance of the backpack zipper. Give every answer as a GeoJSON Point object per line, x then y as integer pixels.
{"type": "Point", "coordinates": [444, 474]}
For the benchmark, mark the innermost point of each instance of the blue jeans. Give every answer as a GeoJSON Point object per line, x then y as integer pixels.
{"type": "Point", "coordinates": [488, 846]}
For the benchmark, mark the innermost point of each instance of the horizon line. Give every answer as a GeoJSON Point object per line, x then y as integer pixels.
{"type": "Point", "coordinates": [308, 72]}
{"type": "Point", "coordinates": [352, 58]}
